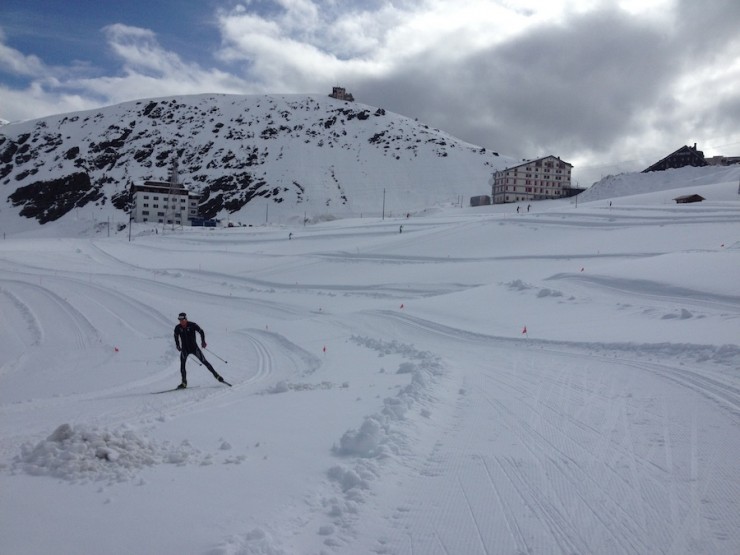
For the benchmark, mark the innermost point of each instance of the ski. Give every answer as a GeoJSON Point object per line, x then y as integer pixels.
{"type": "Point", "coordinates": [186, 388]}
{"type": "Point", "coordinates": [173, 389]}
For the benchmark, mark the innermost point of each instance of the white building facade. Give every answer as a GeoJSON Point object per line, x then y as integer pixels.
{"type": "Point", "coordinates": [163, 203]}
{"type": "Point", "coordinates": [543, 178]}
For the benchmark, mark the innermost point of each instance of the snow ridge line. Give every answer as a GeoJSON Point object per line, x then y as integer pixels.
{"type": "Point", "coordinates": [728, 354]}
{"type": "Point", "coordinates": [644, 287]}
{"type": "Point", "coordinates": [32, 322]}
{"type": "Point", "coordinates": [713, 387]}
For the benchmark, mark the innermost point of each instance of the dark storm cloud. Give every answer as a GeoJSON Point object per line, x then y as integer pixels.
{"type": "Point", "coordinates": [704, 29]}
{"type": "Point", "coordinates": [603, 87]}
{"type": "Point", "coordinates": [574, 86]}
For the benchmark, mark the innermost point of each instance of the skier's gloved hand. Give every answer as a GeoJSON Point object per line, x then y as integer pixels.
{"type": "Point", "coordinates": [179, 349]}
{"type": "Point", "coordinates": [204, 345]}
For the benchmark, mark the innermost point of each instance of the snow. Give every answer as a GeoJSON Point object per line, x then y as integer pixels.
{"type": "Point", "coordinates": [293, 156]}
{"type": "Point", "coordinates": [385, 397]}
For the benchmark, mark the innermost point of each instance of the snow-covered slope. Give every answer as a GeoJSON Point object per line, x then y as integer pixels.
{"type": "Point", "coordinates": [690, 178]}
{"type": "Point", "coordinates": [286, 156]}
{"type": "Point", "coordinates": [563, 380]}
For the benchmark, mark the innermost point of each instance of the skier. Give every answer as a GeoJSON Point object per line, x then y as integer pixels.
{"type": "Point", "coordinates": [187, 344]}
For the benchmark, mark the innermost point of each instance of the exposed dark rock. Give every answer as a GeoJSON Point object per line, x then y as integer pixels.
{"type": "Point", "coordinates": [8, 151]}
{"type": "Point", "coordinates": [50, 200]}
{"type": "Point", "coordinates": [122, 200]}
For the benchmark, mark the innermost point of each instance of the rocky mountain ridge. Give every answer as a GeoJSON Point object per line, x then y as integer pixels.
{"type": "Point", "coordinates": [300, 154]}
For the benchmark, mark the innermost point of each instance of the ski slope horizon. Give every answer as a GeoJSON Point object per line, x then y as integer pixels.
{"type": "Point", "coordinates": [461, 381]}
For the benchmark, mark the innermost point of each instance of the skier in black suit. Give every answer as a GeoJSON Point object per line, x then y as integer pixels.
{"type": "Point", "coordinates": [187, 344]}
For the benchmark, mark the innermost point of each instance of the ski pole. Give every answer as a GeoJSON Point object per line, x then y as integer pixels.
{"type": "Point", "coordinates": [218, 357]}
{"type": "Point", "coordinates": [197, 361]}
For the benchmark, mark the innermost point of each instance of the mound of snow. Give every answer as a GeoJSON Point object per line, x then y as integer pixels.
{"type": "Point", "coordinates": [628, 184]}
{"type": "Point", "coordinates": [85, 452]}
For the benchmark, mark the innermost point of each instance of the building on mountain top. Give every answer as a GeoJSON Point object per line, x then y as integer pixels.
{"type": "Point", "coordinates": [542, 178]}
{"type": "Point", "coordinates": [684, 156]}
{"type": "Point", "coordinates": [341, 94]}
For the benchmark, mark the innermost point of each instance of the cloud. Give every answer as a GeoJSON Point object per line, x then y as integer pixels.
{"type": "Point", "coordinates": [146, 70]}
{"type": "Point", "coordinates": [16, 63]}
{"type": "Point", "coordinates": [607, 84]}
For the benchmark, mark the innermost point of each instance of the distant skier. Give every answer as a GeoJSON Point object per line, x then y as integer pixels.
{"type": "Point", "coordinates": [517, 209]}
{"type": "Point", "coordinates": [528, 207]}
{"type": "Point", "coordinates": [400, 229]}
{"type": "Point", "coordinates": [187, 343]}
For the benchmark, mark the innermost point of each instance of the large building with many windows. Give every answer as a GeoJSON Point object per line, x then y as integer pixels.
{"type": "Point", "coordinates": [164, 202]}
{"type": "Point", "coordinates": [543, 178]}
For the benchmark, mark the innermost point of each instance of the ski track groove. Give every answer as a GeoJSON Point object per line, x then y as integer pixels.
{"type": "Point", "coordinates": [471, 513]}
{"type": "Point", "coordinates": [588, 453]}
{"type": "Point", "coordinates": [651, 484]}
{"type": "Point", "coordinates": [658, 292]}
{"type": "Point", "coordinates": [33, 325]}
{"type": "Point", "coordinates": [73, 322]}
{"type": "Point", "coordinates": [511, 523]}
{"type": "Point", "coordinates": [538, 508]}
{"type": "Point", "coordinates": [104, 297]}
{"type": "Point", "coordinates": [441, 543]}
{"type": "Point", "coordinates": [722, 393]}
{"type": "Point", "coordinates": [265, 361]}
{"type": "Point", "coordinates": [542, 455]}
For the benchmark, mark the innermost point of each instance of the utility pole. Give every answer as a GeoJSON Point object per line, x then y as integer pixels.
{"type": "Point", "coordinates": [130, 209]}
{"type": "Point", "coordinates": [173, 193]}
{"type": "Point", "coordinates": [383, 203]}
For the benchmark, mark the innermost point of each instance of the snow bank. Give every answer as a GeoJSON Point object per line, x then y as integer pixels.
{"type": "Point", "coordinates": [375, 437]}
{"type": "Point", "coordinates": [627, 184]}
{"type": "Point", "coordinates": [88, 453]}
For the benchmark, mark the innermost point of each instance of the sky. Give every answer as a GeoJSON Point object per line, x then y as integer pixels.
{"type": "Point", "coordinates": [569, 387]}
{"type": "Point", "coordinates": [607, 85]}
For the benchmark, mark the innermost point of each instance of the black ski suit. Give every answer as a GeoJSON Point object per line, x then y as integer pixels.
{"type": "Point", "coordinates": [187, 344]}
